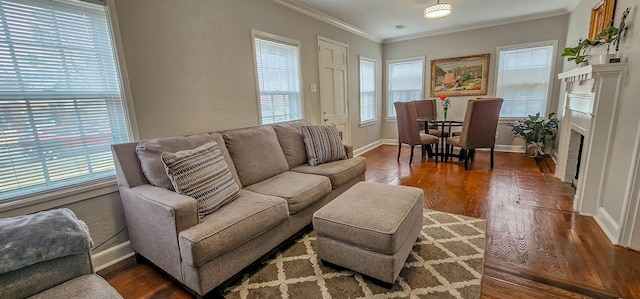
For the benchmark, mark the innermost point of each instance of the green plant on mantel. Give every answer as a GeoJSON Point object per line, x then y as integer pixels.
{"type": "Point", "coordinates": [536, 132]}
{"type": "Point", "coordinates": [606, 39]}
{"type": "Point", "coordinates": [578, 53]}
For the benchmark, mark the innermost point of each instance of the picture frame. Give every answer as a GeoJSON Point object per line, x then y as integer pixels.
{"type": "Point", "coordinates": [601, 17]}
{"type": "Point", "coordinates": [460, 76]}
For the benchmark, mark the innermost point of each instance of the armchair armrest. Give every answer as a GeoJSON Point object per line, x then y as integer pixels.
{"type": "Point", "coordinates": [154, 218]}
{"type": "Point", "coordinates": [349, 149]}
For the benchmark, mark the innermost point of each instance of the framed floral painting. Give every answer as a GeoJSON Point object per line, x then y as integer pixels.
{"type": "Point", "coordinates": [460, 76]}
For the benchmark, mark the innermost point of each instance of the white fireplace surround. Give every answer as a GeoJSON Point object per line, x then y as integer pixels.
{"type": "Point", "coordinates": [606, 184]}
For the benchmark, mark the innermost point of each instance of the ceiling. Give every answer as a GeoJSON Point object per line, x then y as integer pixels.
{"type": "Point", "coordinates": [377, 19]}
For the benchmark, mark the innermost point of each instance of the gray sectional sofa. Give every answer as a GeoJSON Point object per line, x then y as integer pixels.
{"type": "Point", "coordinates": [278, 196]}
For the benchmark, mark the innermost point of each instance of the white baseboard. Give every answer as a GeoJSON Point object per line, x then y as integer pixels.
{"type": "Point", "coordinates": [608, 225]}
{"type": "Point", "coordinates": [509, 148]}
{"type": "Point", "coordinates": [367, 148]}
{"type": "Point", "coordinates": [370, 146]}
{"type": "Point", "coordinates": [112, 256]}
{"type": "Point", "coordinates": [389, 141]}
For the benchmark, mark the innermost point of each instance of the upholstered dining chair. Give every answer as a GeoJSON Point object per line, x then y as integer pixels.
{"type": "Point", "coordinates": [478, 129]}
{"type": "Point", "coordinates": [408, 130]}
{"type": "Point", "coordinates": [428, 109]}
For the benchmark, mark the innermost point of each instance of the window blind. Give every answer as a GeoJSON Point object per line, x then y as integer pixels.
{"type": "Point", "coordinates": [60, 99]}
{"type": "Point", "coordinates": [278, 80]}
{"type": "Point", "coordinates": [405, 82]}
{"type": "Point", "coordinates": [523, 81]}
{"type": "Point", "coordinates": [367, 90]}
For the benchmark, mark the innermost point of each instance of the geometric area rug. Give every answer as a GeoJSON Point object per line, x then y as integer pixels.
{"type": "Point", "coordinates": [446, 262]}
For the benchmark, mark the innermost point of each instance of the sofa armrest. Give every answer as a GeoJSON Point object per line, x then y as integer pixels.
{"type": "Point", "coordinates": [349, 149]}
{"type": "Point", "coordinates": [154, 218]}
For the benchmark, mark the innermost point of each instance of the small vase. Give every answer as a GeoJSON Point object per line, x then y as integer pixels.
{"type": "Point", "coordinates": [444, 116]}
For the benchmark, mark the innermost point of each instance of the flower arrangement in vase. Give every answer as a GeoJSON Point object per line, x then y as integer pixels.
{"type": "Point", "coordinates": [445, 102]}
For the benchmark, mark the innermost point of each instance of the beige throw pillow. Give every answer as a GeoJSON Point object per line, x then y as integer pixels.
{"type": "Point", "coordinates": [203, 174]}
{"type": "Point", "coordinates": [323, 144]}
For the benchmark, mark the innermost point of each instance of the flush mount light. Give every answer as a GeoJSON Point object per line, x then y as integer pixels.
{"type": "Point", "coordinates": [438, 10]}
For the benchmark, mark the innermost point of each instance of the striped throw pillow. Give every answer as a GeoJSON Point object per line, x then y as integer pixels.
{"type": "Point", "coordinates": [323, 144]}
{"type": "Point", "coordinates": [203, 174]}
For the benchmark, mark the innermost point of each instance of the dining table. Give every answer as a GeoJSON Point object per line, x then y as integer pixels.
{"type": "Point", "coordinates": [445, 126]}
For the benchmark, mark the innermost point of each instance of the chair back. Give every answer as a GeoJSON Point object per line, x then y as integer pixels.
{"type": "Point", "coordinates": [407, 119]}
{"type": "Point", "coordinates": [426, 108]}
{"type": "Point", "coordinates": [480, 123]}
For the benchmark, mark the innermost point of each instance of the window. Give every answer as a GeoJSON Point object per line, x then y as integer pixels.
{"type": "Point", "coordinates": [60, 100]}
{"type": "Point", "coordinates": [524, 79]}
{"type": "Point", "coordinates": [405, 77]}
{"type": "Point", "coordinates": [367, 90]}
{"type": "Point", "coordinates": [278, 72]}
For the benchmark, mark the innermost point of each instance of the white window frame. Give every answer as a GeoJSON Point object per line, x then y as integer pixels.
{"type": "Point", "coordinates": [374, 120]}
{"type": "Point", "coordinates": [553, 43]}
{"type": "Point", "coordinates": [389, 105]}
{"type": "Point", "coordinates": [57, 197]}
{"type": "Point", "coordinates": [283, 40]}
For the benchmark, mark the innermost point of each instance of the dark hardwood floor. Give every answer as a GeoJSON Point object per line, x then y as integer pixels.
{"type": "Point", "coordinates": [537, 247]}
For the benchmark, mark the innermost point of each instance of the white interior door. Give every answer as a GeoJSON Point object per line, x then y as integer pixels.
{"type": "Point", "coordinates": [334, 100]}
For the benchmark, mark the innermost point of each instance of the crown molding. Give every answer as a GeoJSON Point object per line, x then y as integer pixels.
{"type": "Point", "coordinates": [318, 15]}
{"type": "Point", "coordinates": [475, 26]}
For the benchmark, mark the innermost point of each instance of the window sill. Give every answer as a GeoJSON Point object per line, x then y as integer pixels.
{"type": "Point", "coordinates": [63, 196]}
{"type": "Point", "coordinates": [391, 120]}
{"type": "Point", "coordinates": [368, 123]}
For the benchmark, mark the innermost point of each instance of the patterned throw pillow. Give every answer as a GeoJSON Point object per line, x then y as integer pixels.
{"type": "Point", "coordinates": [323, 144]}
{"type": "Point", "coordinates": [203, 174]}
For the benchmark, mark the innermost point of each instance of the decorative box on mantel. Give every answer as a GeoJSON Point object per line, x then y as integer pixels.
{"type": "Point", "coordinates": [589, 149]}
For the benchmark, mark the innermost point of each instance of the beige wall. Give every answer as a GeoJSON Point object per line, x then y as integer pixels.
{"type": "Point", "coordinates": [625, 141]}
{"type": "Point", "coordinates": [479, 41]}
{"type": "Point", "coordinates": [191, 68]}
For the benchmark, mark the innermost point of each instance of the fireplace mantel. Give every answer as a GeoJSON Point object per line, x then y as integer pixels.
{"type": "Point", "coordinates": [591, 103]}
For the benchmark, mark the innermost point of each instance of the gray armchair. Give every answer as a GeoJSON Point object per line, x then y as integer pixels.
{"type": "Point", "coordinates": [46, 255]}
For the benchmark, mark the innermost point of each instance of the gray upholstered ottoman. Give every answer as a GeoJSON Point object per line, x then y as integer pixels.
{"type": "Point", "coordinates": [370, 229]}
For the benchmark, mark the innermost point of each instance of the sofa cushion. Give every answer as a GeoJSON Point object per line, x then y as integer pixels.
{"type": "Point", "coordinates": [339, 172]}
{"type": "Point", "coordinates": [292, 142]}
{"type": "Point", "coordinates": [217, 137]}
{"type": "Point", "coordinates": [323, 144]}
{"type": "Point", "coordinates": [256, 153]}
{"type": "Point", "coordinates": [250, 215]}
{"type": "Point", "coordinates": [202, 174]}
{"type": "Point", "coordinates": [149, 152]}
{"type": "Point", "coordinates": [299, 189]}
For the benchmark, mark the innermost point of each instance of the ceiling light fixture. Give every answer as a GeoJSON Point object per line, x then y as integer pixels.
{"type": "Point", "coordinates": [438, 10]}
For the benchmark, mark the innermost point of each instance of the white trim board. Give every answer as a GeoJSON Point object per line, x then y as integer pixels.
{"type": "Point", "coordinates": [112, 256]}
{"type": "Point", "coordinates": [498, 148]}
{"type": "Point", "coordinates": [608, 225]}
{"type": "Point", "coordinates": [367, 148]}
{"type": "Point", "coordinates": [318, 15]}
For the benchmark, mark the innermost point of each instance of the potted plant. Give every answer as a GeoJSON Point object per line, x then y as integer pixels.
{"type": "Point", "coordinates": [536, 131]}
{"type": "Point", "coordinates": [578, 54]}
{"type": "Point", "coordinates": [606, 40]}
